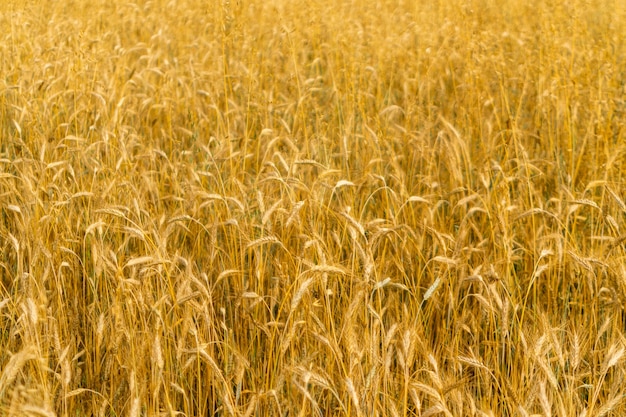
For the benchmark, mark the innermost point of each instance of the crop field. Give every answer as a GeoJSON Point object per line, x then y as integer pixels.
{"type": "Point", "coordinates": [312, 208]}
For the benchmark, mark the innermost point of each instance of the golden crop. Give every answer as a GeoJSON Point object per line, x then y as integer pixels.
{"type": "Point", "coordinates": [312, 208]}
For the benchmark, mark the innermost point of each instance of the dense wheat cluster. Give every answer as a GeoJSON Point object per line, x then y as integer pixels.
{"type": "Point", "coordinates": [296, 208]}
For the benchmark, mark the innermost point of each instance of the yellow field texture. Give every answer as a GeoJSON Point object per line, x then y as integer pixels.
{"type": "Point", "coordinates": [312, 208]}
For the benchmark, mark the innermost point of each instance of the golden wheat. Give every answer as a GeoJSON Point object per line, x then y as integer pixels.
{"type": "Point", "coordinates": [312, 208]}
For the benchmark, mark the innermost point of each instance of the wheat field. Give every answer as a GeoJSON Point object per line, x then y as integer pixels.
{"type": "Point", "coordinates": [294, 208]}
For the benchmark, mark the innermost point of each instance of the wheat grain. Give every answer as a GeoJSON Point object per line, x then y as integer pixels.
{"type": "Point", "coordinates": [216, 217]}
{"type": "Point", "coordinates": [431, 290]}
